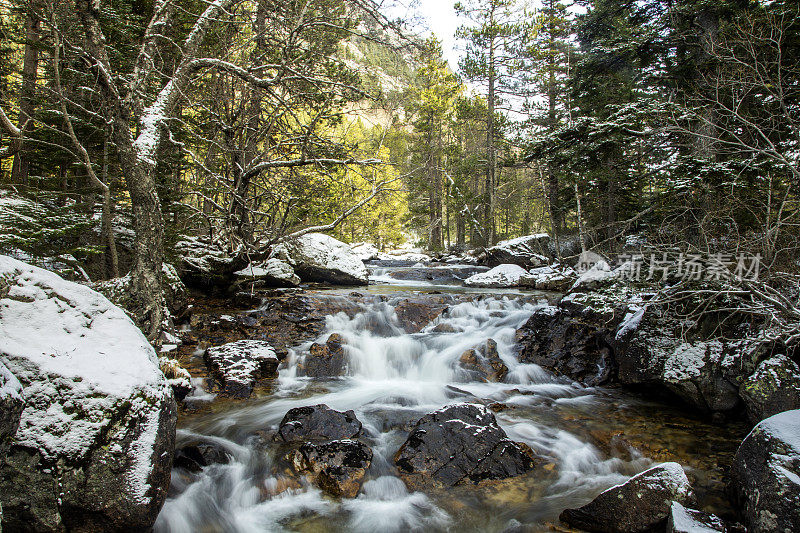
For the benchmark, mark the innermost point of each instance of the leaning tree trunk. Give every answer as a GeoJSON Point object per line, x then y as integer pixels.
{"type": "Point", "coordinates": [30, 67]}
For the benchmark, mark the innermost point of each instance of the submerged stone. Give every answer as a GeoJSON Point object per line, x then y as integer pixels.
{"type": "Point", "coordinates": [338, 467]}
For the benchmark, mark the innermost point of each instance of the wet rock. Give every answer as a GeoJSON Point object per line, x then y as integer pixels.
{"type": "Point", "coordinates": [529, 251]}
{"type": "Point", "coordinates": [683, 520]}
{"type": "Point", "coordinates": [325, 360]}
{"type": "Point", "coordinates": [318, 423]}
{"type": "Point", "coordinates": [570, 345]}
{"type": "Point", "coordinates": [95, 441]}
{"type": "Point", "coordinates": [269, 273]}
{"type": "Point", "coordinates": [415, 314]}
{"type": "Point", "coordinates": [640, 504]}
{"type": "Point", "coordinates": [765, 477]}
{"type": "Point", "coordinates": [484, 363]}
{"type": "Point", "coordinates": [320, 258]}
{"type": "Point", "coordinates": [337, 467]}
{"type": "Point", "coordinates": [439, 275]}
{"type": "Point", "coordinates": [773, 388]}
{"type": "Point", "coordinates": [197, 455]}
{"type": "Point", "coordinates": [239, 365]}
{"type": "Point", "coordinates": [460, 444]}
{"type": "Point", "coordinates": [501, 276]}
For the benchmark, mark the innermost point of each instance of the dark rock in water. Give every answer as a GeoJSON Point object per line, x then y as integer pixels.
{"type": "Point", "coordinates": [325, 360]}
{"type": "Point", "coordinates": [569, 345]}
{"type": "Point", "coordinates": [337, 467]}
{"type": "Point", "coordinates": [773, 388]}
{"type": "Point", "coordinates": [683, 520]}
{"type": "Point", "coordinates": [640, 504]}
{"type": "Point", "coordinates": [318, 422]}
{"type": "Point", "coordinates": [528, 252]}
{"type": "Point", "coordinates": [765, 477]}
{"type": "Point", "coordinates": [415, 314]}
{"type": "Point", "coordinates": [193, 457]}
{"type": "Point", "coordinates": [460, 444]}
{"type": "Point", "coordinates": [484, 363]}
{"type": "Point", "coordinates": [239, 365]}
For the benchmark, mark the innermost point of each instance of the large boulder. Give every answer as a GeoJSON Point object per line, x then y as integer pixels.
{"type": "Point", "coordinates": [548, 278]}
{"type": "Point", "coordinates": [205, 264]}
{"type": "Point", "coordinates": [94, 447]}
{"type": "Point", "coordinates": [529, 251]}
{"type": "Point", "coordinates": [640, 504]}
{"type": "Point", "coordinates": [460, 444]}
{"type": "Point", "coordinates": [773, 388]}
{"type": "Point", "coordinates": [240, 365]}
{"type": "Point", "coordinates": [501, 276]}
{"type": "Point", "coordinates": [338, 467]}
{"type": "Point", "coordinates": [321, 258]}
{"type": "Point", "coordinates": [766, 474]}
{"type": "Point", "coordinates": [326, 360]}
{"type": "Point", "coordinates": [267, 274]}
{"type": "Point", "coordinates": [318, 423]}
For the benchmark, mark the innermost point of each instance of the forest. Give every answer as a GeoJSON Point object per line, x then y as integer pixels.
{"type": "Point", "coordinates": [259, 258]}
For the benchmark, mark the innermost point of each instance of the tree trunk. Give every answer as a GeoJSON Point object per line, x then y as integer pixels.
{"type": "Point", "coordinates": [488, 201]}
{"type": "Point", "coordinates": [30, 66]}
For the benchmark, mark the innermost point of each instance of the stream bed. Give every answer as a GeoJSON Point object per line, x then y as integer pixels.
{"type": "Point", "coordinates": [592, 438]}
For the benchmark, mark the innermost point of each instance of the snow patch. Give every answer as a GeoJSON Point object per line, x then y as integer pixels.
{"type": "Point", "coordinates": [499, 276]}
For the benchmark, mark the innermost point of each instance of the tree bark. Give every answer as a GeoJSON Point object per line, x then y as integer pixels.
{"type": "Point", "coordinates": [30, 67]}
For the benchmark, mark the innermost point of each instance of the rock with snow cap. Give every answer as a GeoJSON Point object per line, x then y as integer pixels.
{"type": "Point", "coordinates": [94, 446]}
{"type": "Point", "coordinates": [501, 276]}
{"type": "Point", "coordinates": [321, 258]}
{"type": "Point", "coordinates": [318, 423]}
{"type": "Point", "coordinates": [529, 251]}
{"type": "Point", "coordinates": [640, 504]}
{"type": "Point", "coordinates": [267, 274]}
{"type": "Point", "coordinates": [765, 477]}
{"type": "Point", "coordinates": [598, 275]}
{"type": "Point", "coordinates": [773, 388]}
{"type": "Point", "coordinates": [548, 278]}
{"type": "Point", "coordinates": [205, 264]}
{"type": "Point", "coordinates": [240, 365]}
{"type": "Point", "coordinates": [460, 444]}
{"type": "Point", "coordinates": [683, 520]}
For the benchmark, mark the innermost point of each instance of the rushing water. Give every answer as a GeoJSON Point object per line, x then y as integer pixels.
{"type": "Point", "coordinates": [591, 437]}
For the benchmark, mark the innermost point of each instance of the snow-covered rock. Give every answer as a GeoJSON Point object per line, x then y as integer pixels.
{"type": "Point", "coordinates": [766, 474]}
{"type": "Point", "coordinates": [498, 277]}
{"type": "Point", "coordinates": [598, 275]}
{"type": "Point", "coordinates": [529, 251]}
{"type": "Point", "coordinates": [204, 263]}
{"type": "Point", "coordinates": [239, 365]}
{"type": "Point", "coordinates": [639, 504]}
{"type": "Point", "coordinates": [270, 273]}
{"type": "Point", "coordinates": [774, 387]}
{"type": "Point", "coordinates": [548, 278]}
{"type": "Point", "coordinates": [10, 407]}
{"type": "Point", "coordinates": [94, 446]}
{"type": "Point", "coordinates": [321, 258]}
{"type": "Point", "coordinates": [366, 251]}
{"type": "Point", "coordinates": [683, 520]}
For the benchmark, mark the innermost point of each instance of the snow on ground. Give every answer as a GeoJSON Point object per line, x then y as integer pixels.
{"type": "Point", "coordinates": [500, 276]}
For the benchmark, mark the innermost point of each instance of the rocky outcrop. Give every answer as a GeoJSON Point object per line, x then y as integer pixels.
{"type": "Point", "coordinates": [683, 520]}
{"type": "Point", "coordinates": [483, 363]}
{"type": "Point", "coordinates": [460, 444]}
{"type": "Point", "coordinates": [94, 446]}
{"type": "Point", "coordinates": [548, 278]}
{"type": "Point", "coordinates": [437, 275]}
{"type": "Point", "coordinates": [338, 467]}
{"type": "Point", "coordinates": [320, 258]}
{"type": "Point", "coordinates": [640, 504]}
{"type": "Point", "coordinates": [267, 274]}
{"type": "Point", "coordinates": [240, 365]}
{"type": "Point", "coordinates": [765, 477]}
{"type": "Point", "coordinates": [530, 251]}
{"type": "Point", "coordinates": [204, 264]}
{"type": "Point", "coordinates": [318, 423]}
{"type": "Point", "coordinates": [501, 276]}
{"type": "Point", "coordinates": [773, 388]}
{"type": "Point", "coordinates": [325, 360]}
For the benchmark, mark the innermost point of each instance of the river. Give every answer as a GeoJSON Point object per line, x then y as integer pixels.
{"type": "Point", "coordinates": [593, 438]}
